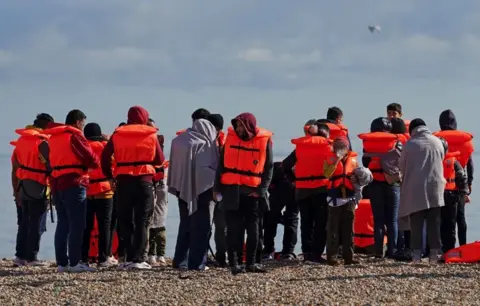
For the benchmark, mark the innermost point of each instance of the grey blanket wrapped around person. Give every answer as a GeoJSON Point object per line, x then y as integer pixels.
{"type": "Point", "coordinates": [193, 162]}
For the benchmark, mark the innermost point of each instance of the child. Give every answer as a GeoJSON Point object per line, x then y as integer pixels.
{"type": "Point", "coordinates": [341, 198]}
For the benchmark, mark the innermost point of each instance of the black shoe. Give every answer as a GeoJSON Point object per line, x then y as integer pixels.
{"type": "Point", "coordinates": [237, 270]}
{"type": "Point", "coordinates": [256, 268]}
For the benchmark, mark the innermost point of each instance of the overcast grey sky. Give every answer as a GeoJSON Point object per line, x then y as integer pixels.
{"type": "Point", "coordinates": [285, 61]}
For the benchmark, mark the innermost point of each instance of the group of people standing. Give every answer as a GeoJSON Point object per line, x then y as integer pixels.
{"type": "Point", "coordinates": [417, 181]}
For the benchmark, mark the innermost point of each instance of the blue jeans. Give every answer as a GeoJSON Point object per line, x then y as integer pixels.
{"type": "Point", "coordinates": [71, 206]}
{"type": "Point", "coordinates": [194, 233]}
{"type": "Point", "coordinates": [385, 200]}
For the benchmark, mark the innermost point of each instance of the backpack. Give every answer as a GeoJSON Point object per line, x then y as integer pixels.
{"type": "Point", "coordinates": [389, 162]}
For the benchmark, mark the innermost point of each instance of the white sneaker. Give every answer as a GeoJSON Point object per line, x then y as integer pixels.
{"type": "Point", "coordinates": [152, 260]}
{"type": "Point", "coordinates": [140, 266]}
{"type": "Point", "coordinates": [17, 262]}
{"type": "Point", "coordinates": [161, 260]}
{"type": "Point", "coordinates": [80, 267]}
{"type": "Point", "coordinates": [112, 260]}
{"type": "Point", "coordinates": [62, 269]}
{"type": "Point", "coordinates": [38, 263]}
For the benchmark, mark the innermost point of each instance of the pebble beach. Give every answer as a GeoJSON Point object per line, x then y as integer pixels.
{"type": "Point", "coordinates": [372, 282]}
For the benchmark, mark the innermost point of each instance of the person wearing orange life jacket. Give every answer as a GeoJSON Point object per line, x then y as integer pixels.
{"type": "Point", "coordinates": [339, 168]}
{"type": "Point", "coordinates": [394, 110]}
{"type": "Point", "coordinates": [244, 174]}
{"type": "Point", "coordinates": [200, 113]}
{"type": "Point", "coordinates": [458, 141]}
{"type": "Point", "coordinates": [335, 124]}
{"type": "Point", "coordinates": [384, 196]}
{"type": "Point", "coordinates": [456, 189]}
{"type": "Point", "coordinates": [157, 232]}
{"type": "Point", "coordinates": [70, 158]}
{"type": "Point", "coordinates": [311, 187]}
{"type": "Point", "coordinates": [137, 152]}
{"type": "Point", "coordinates": [99, 202]}
{"type": "Point", "coordinates": [30, 169]}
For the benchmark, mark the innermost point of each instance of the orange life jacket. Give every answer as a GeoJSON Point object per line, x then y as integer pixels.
{"type": "Point", "coordinates": [99, 183]}
{"type": "Point", "coordinates": [160, 172]}
{"type": "Point", "coordinates": [28, 156]}
{"type": "Point", "coordinates": [403, 138]}
{"type": "Point", "coordinates": [134, 149]}
{"type": "Point", "coordinates": [458, 141]}
{"type": "Point", "coordinates": [449, 169]}
{"type": "Point", "coordinates": [311, 153]}
{"type": "Point", "coordinates": [62, 159]}
{"type": "Point", "coordinates": [337, 130]}
{"type": "Point", "coordinates": [407, 125]}
{"type": "Point", "coordinates": [378, 142]}
{"type": "Point", "coordinates": [244, 161]}
{"type": "Point", "coordinates": [468, 253]}
{"type": "Point", "coordinates": [363, 233]}
{"type": "Point", "coordinates": [340, 185]}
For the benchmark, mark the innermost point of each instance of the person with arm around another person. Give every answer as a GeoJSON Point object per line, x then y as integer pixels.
{"type": "Point", "coordinates": [422, 189]}
{"type": "Point", "coordinates": [243, 176]}
{"type": "Point", "coordinates": [70, 158]}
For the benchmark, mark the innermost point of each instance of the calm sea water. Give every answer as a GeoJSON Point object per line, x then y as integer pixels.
{"type": "Point", "coordinates": [8, 225]}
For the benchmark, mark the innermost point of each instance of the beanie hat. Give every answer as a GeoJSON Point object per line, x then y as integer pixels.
{"type": "Point", "coordinates": [416, 123]}
{"type": "Point", "coordinates": [216, 120]}
{"type": "Point", "coordinates": [92, 131]}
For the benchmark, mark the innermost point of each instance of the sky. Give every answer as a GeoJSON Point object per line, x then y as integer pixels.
{"type": "Point", "coordinates": [284, 61]}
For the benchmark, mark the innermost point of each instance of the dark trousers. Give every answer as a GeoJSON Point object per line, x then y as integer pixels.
{"type": "Point", "coordinates": [102, 209]}
{"type": "Point", "coordinates": [220, 235]}
{"type": "Point", "coordinates": [417, 225]}
{"type": "Point", "coordinates": [385, 200]}
{"type": "Point", "coordinates": [449, 221]}
{"type": "Point", "coordinates": [134, 208]}
{"type": "Point", "coordinates": [404, 240]}
{"type": "Point", "coordinates": [313, 224]}
{"type": "Point", "coordinates": [246, 218]}
{"type": "Point", "coordinates": [71, 206]}
{"type": "Point", "coordinates": [290, 226]}
{"type": "Point", "coordinates": [194, 233]}
{"type": "Point", "coordinates": [18, 250]}
{"type": "Point", "coordinates": [157, 241]}
{"type": "Point", "coordinates": [28, 243]}
{"type": "Point", "coordinates": [461, 222]}
{"type": "Point", "coordinates": [340, 222]}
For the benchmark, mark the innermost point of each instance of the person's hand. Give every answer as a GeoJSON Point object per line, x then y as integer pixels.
{"type": "Point", "coordinates": [254, 195]}
{"type": "Point", "coordinates": [466, 198]}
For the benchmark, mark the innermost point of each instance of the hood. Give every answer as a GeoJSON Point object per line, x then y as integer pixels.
{"type": "Point", "coordinates": [421, 129]}
{"type": "Point", "coordinates": [380, 124]}
{"type": "Point", "coordinates": [249, 122]}
{"type": "Point", "coordinates": [206, 128]}
{"type": "Point", "coordinates": [137, 115]}
{"type": "Point", "coordinates": [447, 120]}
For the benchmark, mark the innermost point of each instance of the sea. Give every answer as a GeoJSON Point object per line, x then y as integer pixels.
{"type": "Point", "coordinates": [8, 220]}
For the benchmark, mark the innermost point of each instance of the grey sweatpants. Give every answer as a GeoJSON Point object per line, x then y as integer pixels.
{"type": "Point", "coordinates": [417, 221]}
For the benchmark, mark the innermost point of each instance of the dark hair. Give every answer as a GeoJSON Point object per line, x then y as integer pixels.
{"type": "Point", "coordinates": [42, 120]}
{"type": "Point", "coordinates": [73, 116]}
{"type": "Point", "coordinates": [151, 120]}
{"type": "Point", "coordinates": [122, 124]}
{"type": "Point", "coordinates": [415, 123]}
{"type": "Point", "coordinates": [200, 113]}
{"type": "Point", "coordinates": [381, 124]}
{"type": "Point", "coordinates": [394, 107]}
{"type": "Point", "coordinates": [333, 113]}
{"type": "Point", "coordinates": [323, 130]}
{"type": "Point", "coordinates": [398, 126]}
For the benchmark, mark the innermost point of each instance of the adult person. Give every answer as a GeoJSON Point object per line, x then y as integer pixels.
{"type": "Point", "coordinates": [334, 122]}
{"type": "Point", "coordinates": [244, 172]}
{"type": "Point", "coordinates": [30, 169]}
{"type": "Point", "coordinates": [99, 202]}
{"type": "Point", "coordinates": [70, 158]}
{"type": "Point", "coordinates": [394, 110]}
{"type": "Point", "coordinates": [384, 195]}
{"type": "Point", "coordinates": [137, 152]}
{"type": "Point", "coordinates": [157, 232]}
{"type": "Point", "coordinates": [456, 190]}
{"type": "Point", "coordinates": [458, 141]}
{"type": "Point", "coordinates": [423, 185]}
{"type": "Point", "coordinates": [200, 113]}
{"type": "Point", "coordinates": [193, 161]}
{"type": "Point", "coordinates": [220, 234]}
{"type": "Point", "coordinates": [311, 188]}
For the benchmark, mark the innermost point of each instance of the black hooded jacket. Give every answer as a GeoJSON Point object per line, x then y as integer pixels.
{"type": "Point", "coordinates": [448, 122]}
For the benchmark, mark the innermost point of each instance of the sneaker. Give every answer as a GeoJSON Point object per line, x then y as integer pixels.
{"type": "Point", "coordinates": [238, 270]}
{"type": "Point", "coordinates": [268, 256]}
{"type": "Point", "coordinates": [124, 265]}
{"type": "Point", "coordinates": [256, 268]}
{"type": "Point", "coordinates": [112, 260]}
{"type": "Point", "coordinates": [139, 266]}
{"type": "Point", "coordinates": [105, 264]}
{"type": "Point", "coordinates": [38, 263]}
{"type": "Point", "coordinates": [161, 260]}
{"type": "Point", "coordinates": [81, 267]}
{"type": "Point", "coordinates": [287, 257]}
{"type": "Point", "coordinates": [63, 269]}
{"type": "Point", "coordinates": [17, 262]}
{"type": "Point", "coordinates": [152, 260]}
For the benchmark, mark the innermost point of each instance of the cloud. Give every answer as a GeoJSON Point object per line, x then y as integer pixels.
{"type": "Point", "coordinates": [193, 44]}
